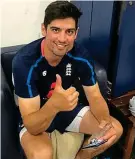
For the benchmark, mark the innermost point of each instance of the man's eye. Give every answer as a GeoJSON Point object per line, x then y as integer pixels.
{"type": "Point", "coordinates": [55, 30]}
{"type": "Point", "coordinates": [70, 32]}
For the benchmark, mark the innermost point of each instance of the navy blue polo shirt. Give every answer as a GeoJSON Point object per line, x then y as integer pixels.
{"type": "Point", "coordinates": [34, 76]}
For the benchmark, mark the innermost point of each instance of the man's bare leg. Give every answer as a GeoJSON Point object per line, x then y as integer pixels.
{"type": "Point", "coordinates": [89, 125]}
{"type": "Point", "coordinates": [37, 147]}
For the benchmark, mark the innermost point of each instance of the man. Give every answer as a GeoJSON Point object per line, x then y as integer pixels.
{"type": "Point", "coordinates": [44, 72]}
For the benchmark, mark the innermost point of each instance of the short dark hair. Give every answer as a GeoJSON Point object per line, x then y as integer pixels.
{"type": "Point", "coordinates": [61, 10]}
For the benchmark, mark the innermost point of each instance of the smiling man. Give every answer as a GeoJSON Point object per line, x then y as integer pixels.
{"type": "Point", "coordinates": [44, 72]}
{"type": "Point", "coordinates": [57, 44]}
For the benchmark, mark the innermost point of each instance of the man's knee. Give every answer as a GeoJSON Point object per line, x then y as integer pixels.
{"type": "Point", "coordinates": [119, 132]}
{"type": "Point", "coordinates": [118, 128]}
{"type": "Point", "coordinates": [43, 153]}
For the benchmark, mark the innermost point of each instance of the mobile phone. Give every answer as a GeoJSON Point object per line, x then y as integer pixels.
{"type": "Point", "coordinates": [94, 143]}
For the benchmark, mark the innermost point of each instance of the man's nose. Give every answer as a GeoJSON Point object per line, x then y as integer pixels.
{"type": "Point", "coordinates": [62, 37]}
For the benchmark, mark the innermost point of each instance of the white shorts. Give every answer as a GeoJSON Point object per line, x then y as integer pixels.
{"type": "Point", "coordinates": [73, 127]}
{"type": "Point", "coordinates": [75, 124]}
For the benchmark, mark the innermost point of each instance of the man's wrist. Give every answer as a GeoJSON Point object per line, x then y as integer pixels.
{"type": "Point", "coordinates": [51, 105]}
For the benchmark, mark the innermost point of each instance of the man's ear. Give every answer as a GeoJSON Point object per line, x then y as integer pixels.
{"type": "Point", "coordinates": [76, 32]}
{"type": "Point", "coordinates": [43, 29]}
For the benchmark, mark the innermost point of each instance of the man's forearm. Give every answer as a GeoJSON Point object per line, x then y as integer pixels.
{"type": "Point", "coordinates": [40, 120]}
{"type": "Point", "coordinates": [100, 109]}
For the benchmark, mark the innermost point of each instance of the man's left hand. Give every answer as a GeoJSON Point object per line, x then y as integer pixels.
{"type": "Point", "coordinates": [108, 132]}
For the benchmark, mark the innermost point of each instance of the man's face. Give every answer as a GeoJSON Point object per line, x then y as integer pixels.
{"type": "Point", "coordinates": [60, 36]}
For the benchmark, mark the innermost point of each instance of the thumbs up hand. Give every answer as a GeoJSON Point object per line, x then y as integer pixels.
{"type": "Point", "coordinates": [64, 100]}
{"type": "Point", "coordinates": [58, 85]}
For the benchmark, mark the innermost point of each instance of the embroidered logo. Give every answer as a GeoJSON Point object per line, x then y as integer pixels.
{"type": "Point", "coordinates": [68, 69]}
{"type": "Point", "coordinates": [44, 73]}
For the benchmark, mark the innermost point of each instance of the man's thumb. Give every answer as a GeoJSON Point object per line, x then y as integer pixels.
{"type": "Point", "coordinates": [58, 81]}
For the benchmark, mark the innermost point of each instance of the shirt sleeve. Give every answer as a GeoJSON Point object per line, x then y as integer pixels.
{"type": "Point", "coordinates": [24, 78]}
{"type": "Point", "coordinates": [86, 72]}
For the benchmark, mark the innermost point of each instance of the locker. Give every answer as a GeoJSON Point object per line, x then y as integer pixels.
{"type": "Point", "coordinates": [124, 66]}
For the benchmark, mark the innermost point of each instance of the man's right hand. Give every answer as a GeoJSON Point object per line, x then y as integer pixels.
{"type": "Point", "coordinates": [64, 100]}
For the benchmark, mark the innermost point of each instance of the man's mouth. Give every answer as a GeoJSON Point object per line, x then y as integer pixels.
{"type": "Point", "coordinates": [60, 46]}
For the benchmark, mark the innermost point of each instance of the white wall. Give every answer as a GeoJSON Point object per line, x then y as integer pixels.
{"type": "Point", "coordinates": [21, 21]}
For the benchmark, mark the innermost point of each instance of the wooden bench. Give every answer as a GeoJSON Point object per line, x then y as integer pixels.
{"type": "Point", "coordinates": [124, 115]}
